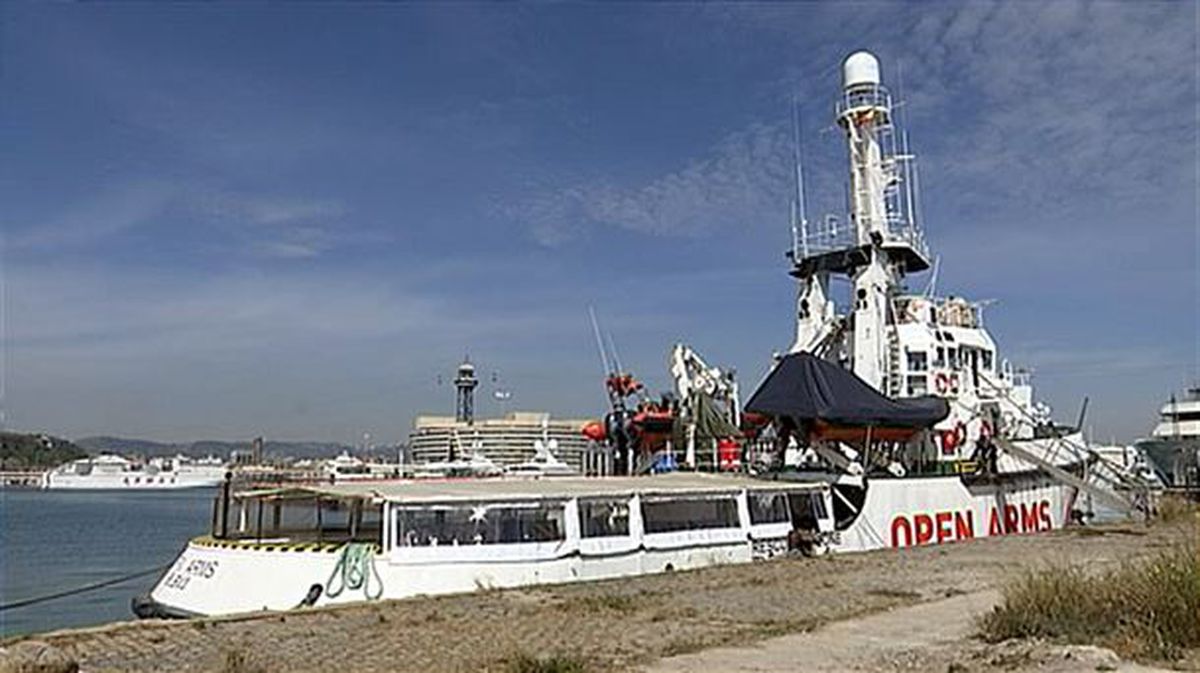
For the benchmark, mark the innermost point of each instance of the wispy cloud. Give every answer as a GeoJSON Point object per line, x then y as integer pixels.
{"type": "Point", "coordinates": [729, 187]}
{"type": "Point", "coordinates": [272, 225]}
{"type": "Point", "coordinates": [111, 211]}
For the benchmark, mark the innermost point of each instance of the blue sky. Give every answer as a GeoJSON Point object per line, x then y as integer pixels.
{"type": "Point", "coordinates": [225, 220]}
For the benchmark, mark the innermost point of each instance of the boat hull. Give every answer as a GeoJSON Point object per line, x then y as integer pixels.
{"type": "Point", "coordinates": [217, 577]}
{"type": "Point", "coordinates": [124, 482]}
{"type": "Point", "coordinates": [938, 510]}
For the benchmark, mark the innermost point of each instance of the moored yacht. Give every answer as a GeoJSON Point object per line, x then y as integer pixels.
{"type": "Point", "coordinates": [1174, 446]}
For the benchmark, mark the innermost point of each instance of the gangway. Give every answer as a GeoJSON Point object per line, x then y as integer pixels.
{"type": "Point", "coordinates": [1101, 480]}
{"type": "Point", "coordinates": [1108, 496]}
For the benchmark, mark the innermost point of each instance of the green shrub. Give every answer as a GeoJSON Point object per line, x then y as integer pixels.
{"type": "Point", "coordinates": [526, 663]}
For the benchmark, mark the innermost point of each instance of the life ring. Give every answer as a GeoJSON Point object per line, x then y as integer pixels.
{"type": "Point", "coordinates": [942, 384]}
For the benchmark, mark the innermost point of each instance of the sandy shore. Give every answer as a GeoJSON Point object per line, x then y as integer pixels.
{"type": "Point", "coordinates": [632, 623]}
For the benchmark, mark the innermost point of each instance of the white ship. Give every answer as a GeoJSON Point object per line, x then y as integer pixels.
{"type": "Point", "coordinates": [902, 398]}
{"type": "Point", "coordinates": [918, 432]}
{"type": "Point", "coordinates": [109, 471]}
{"type": "Point", "coordinates": [1174, 445]}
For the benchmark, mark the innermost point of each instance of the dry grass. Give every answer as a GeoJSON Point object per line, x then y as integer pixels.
{"type": "Point", "coordinates": [238, 661]}
{"type": "Point", "coordinates": [1173, 508]}
{"type": "Point", "coordinates": [1146, 609]}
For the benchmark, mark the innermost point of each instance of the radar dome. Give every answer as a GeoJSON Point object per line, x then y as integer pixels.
{"type": "Point", "coordinates": [861, 67]}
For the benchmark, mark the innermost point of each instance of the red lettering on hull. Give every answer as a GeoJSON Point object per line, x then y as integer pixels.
{"type": "Point", "coordinates": [950, 525]}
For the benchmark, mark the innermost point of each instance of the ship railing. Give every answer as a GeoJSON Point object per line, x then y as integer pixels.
{"type": "Point", "coordinates": [832, 234]}
{"type": "Point", "coordinates": [867, 95]}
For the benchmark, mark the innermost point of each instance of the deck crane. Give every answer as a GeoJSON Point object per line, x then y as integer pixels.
{"type": "Point", "coordinates": [699, 385]}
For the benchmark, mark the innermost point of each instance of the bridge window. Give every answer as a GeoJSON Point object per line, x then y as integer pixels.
{"type": "Point", "coordinates": [918, 385]}
{"type": "Point", "coordinates": [918, 361]}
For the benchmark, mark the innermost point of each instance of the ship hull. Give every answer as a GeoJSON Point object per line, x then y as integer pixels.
{"type": "Point", "coordinates": [1175, 460]}
{"type": "Point", "coordinates": [938, 510]}
{"type": "Point", "coordinates": [130, 482]}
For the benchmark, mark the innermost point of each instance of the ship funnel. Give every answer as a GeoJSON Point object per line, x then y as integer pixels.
{"type": "Point", "coordinates": [860, 68]}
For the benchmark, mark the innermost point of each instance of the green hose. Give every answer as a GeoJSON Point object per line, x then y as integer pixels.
{"type": "Point", "coordinates": [353, 571]}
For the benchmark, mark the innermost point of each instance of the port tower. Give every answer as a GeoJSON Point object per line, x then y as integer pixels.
{"type": "Point", "coordinates": [465, 382]}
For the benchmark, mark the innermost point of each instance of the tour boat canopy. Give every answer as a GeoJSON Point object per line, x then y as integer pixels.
{"type": "Point", "coordinates": [441, 490]}
{"type": "Point", "coordinates": [806, 388]}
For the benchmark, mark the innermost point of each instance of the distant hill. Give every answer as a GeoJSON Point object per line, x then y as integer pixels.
{"type": "Point", "coordinates": [209, 447]}
{"type": "Point", "coordinates": [20, 451]}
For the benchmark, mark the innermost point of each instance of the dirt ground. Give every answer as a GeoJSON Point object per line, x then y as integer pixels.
{"type": "Point", "coordinates": [650, 622]}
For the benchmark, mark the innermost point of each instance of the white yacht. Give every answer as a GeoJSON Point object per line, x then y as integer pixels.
{"type": "Point", "coordinates": [543, 464]}
{"type": "Point", "coordinates": [1174, 446]}
{"type": "Point", "coordinates": [428, 537]}
{"type": "Point", "coordinates": [110, 471]}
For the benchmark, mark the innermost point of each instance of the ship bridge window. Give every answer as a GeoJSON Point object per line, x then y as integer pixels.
{"type": "Point", "coordinates": [918, 361]}
{"type": "Point", "coordinates": [665, 515]}
{"type": "Point", "coordinates": [917, 385]}
{"type": "Point", "coordinates": [479, 524]}
{"type": "Point", "coordinates": [939, 360]}
{"type": "Point", "coordinates": [953, 355]}
{"type": "Point", "coordinates": [603, 518]}
{"type": "Point", "coordinates": [986, 360]}
{"type": "Point", "coordinates": [769, 508]}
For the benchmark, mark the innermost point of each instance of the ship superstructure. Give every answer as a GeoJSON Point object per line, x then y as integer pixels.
{"type": "Point", "coordinates": [903, 344]}
{"type": "Point", "coordinates": [900, 397]}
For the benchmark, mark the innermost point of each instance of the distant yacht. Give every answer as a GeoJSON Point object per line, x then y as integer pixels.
{"type": "Point", "coordinates": [110, 471]}
{"type": "Point", "coordinates": [1174, 446]}
{"type": "Point", "coordinates": [543, 464]}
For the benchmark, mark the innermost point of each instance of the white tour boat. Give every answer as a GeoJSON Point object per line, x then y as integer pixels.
{"type": "Point", "coordinates": [282, 548]}
{"type": "Point", "coordinates": [109, 471]}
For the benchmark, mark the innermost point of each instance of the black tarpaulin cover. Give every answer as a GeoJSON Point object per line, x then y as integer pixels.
{"type": "Point", "coordinates": [806, 387]}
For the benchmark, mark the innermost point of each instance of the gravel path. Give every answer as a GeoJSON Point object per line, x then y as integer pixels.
{"type": "Point", "coordinates": [612, 625]}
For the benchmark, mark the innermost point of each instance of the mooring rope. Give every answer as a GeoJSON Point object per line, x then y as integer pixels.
{"type": "Point", "coordinates": [83, 589]}
{"type": "Point", "coordinates": [354, 568]}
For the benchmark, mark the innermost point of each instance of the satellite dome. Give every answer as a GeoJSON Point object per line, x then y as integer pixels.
{"type": "Point", "coordinates": [861, 67]}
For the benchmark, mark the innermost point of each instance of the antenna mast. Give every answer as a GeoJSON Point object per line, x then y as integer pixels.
{"type": "Point", "coordinates": [599, 341]}
{"type": "Point", "coordinates": [799, 213]}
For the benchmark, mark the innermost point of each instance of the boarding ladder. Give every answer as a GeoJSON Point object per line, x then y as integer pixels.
{"type": "Point", "coordinates": [1101, 479]}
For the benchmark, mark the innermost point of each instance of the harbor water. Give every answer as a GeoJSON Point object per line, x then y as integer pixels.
{"type": "Point", "coordinates": [52, 541]}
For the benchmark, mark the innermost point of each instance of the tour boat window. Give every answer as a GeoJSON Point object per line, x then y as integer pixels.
{"type": "Point", "coordinates": [940, 359]}
{"type": "Point", "coordinates": [953, 353]}
{"type": "Point", "coordinates": [665, 515]}
{"type": "Point", "coordinates": [769, 508]}
{"type": "Point", "coordinates": [917, 385]}
{"type": "Point", "coordinates": [603, 518]}
{"type": "Point", "coordinates": [918, 361]}
{"type": "Point", "coordinates": [987, 360]}
{"type": "Point", "coordinates": [479, 524]}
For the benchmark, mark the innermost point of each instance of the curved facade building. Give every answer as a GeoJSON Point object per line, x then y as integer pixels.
{"type": "Point", "coordinates": [505, 441]}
